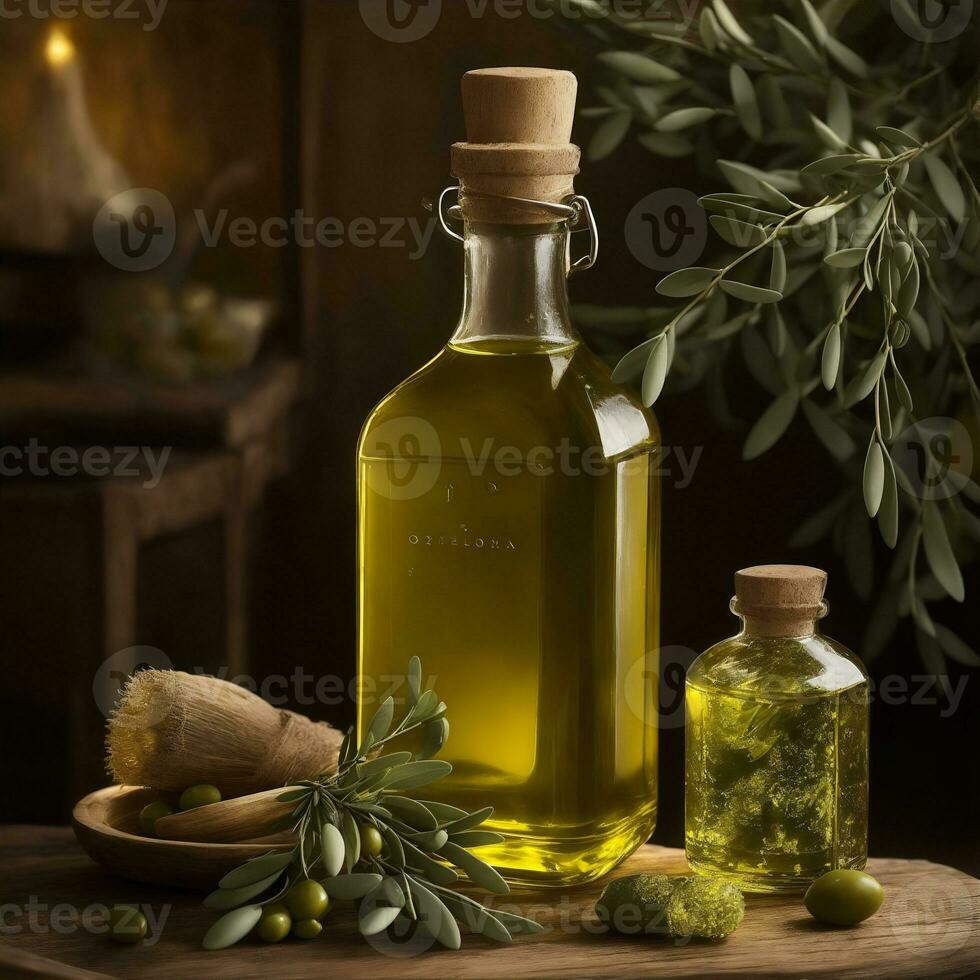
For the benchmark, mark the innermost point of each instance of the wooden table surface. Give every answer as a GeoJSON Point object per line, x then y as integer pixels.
{"type": "Point", "coordinates": [49, 890]}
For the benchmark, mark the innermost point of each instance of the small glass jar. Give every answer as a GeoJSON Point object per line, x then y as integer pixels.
{"type": "Point", "coordinates": [777, 741]}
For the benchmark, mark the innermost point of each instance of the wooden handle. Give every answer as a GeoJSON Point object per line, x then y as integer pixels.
{"type": "Point", "coordinates": [228, 822]}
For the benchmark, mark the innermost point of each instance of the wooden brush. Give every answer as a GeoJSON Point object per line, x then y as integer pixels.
{"type": "Point", "coordinates": [171, 730]}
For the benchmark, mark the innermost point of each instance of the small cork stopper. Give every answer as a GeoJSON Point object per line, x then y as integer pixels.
{"type": "Point", "coordinates": [779, 599]}
{"type": "Point", "coordinates": [519, 128]}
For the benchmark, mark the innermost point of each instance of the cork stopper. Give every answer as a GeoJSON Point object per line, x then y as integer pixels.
{"type": "Point", "coordinates": [780, 600]}
{"type": "Point", "coordinates": [518, 129]}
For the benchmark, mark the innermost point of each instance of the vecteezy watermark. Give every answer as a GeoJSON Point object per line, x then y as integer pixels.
{"type": "Point", "coordinates": [299, 687]}
{"type": "Point", "coordinates": [661, 675]}
{"type": "Point", "coordinates": [136, 231]}
{"type": "Point", "coordinates": [667, 230]}
{"type": "Point", "coordinates": [934, 458]}
{"type": "Point", "coordinates": [148, 12]}
{"type": "Point", "coordinates": [405, 458]}
{"type": "Point", "coordinates": [404, 21]}
{"type": "Point", "coordinates": [932, 21]}
{"type": "Point", "coordinates": [938, 235]}
{"type": "Point", "coordinates": [97, 461]}
{"type": "Point", "coordinates": [66, 919]}
{"type": "Point", "coordinates": [305, 231]}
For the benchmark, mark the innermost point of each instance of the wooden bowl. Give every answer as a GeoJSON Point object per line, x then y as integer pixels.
{"type": "Point", "coordinates": [106, 824]}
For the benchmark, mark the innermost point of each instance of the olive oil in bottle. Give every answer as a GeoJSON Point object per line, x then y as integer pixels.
{"type": "Point", "coordinates": [777, 742]}
{"type": "Point", "coordinates": [509, 522]}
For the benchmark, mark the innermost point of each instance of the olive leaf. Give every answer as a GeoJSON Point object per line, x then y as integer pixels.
{"type": "Point", "coordinates": [476, 870]}
{"type": "Point", "coordinates": [888, 508]}
{"type": "Point", "coordinates": [773, 422]}
{"type": "Point", "coordinates": [255, 870]}
{"type": "Point", "coordinates": [232, 927]}
{"type": "Point", "coordinates": [839, 115]}
{"type": "Point", "coordinates": [229, 898]}
{"type": "Point", "coordinates": [898, 137]}
{"type": "Point", "coordinates": [351, 886]}
{"type": "Point", "coordinates": [728, 22]}
{"type": "Point", "coordinates": [708, 29]}
{"type": "Point", "coordinates": [817, 27]}
{"type": "Point", "coordinates": [334, 849]}
{"type": "Point", "coordinates": [686, 282]}
{"type": "Point", "coordinates": [742, 234]}
{"type": "Point", "coordinates": [955, 648]}
{"type": "Point", "coordinates": [830, 358]}
{"type": "Point", "coordinates": [666, 144]}
{"type": "Point", "coordinates": [434, 917]}
{"type": "Point", "coordinates": [415, 774]}
{"type": "Point", "coordinates": [413, 677]}
{"type": "Point", "coordinates": [476, 918]}
{"type": "Point", "coordinates": [655, 372]}
{"type": "Point", "coordinates": [846, 258]}
{"type": "Point", "coordinates": [864, 383]}
{"type": "Point", "coordinates": [946, 186]}
{"type": "Point", "coordinates": [939, 553]}
{"type": "Point", "coordinates": [680, 119]}
{"type": "Point", "coordinates": [745, 101]}
{"type": "Point", "coordinates": [631, 365]}
{"type": "Point", "coordinates": [751, 294]}
{"type": "Point", "coordinates": [836, 439]}
{"type": "Point", "coordinates": [609, 134]}
{"type": "Point", "coordinates": [375, 920]}
{"type": "Point", "coordinates": [638, 67]}
{"type": "Point", "coordinates": [797, 45]}
{"type": "Point", "coordinates": [874, 478]}
{"type": "Point", "coordinates": [381, 721]}
{"type": "Point", "coordinates": [777, 271]}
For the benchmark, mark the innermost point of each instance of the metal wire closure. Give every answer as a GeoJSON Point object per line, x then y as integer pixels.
{"type": "Point", "coordinates": [573, 211]}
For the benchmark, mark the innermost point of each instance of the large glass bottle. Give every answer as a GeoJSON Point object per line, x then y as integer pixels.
{"type": "Point", "coordinates": [509, 532]}
{"type": "Point", "coordinates": [777, 741]}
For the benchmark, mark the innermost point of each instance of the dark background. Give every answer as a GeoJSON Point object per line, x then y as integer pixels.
{"type": "Point", "coordinates": [343, 123]}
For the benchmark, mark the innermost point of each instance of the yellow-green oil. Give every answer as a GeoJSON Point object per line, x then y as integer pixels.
{"type": "Point", "coordinates": [777, 761]}
{"type": "Point", "coordinates": [509, 537]}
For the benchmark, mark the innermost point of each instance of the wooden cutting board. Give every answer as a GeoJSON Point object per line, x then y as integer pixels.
{"type": "Point", "coordinates": [929, 925]}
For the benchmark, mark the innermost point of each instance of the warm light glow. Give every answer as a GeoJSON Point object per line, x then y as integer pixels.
{"type": "Point", "coordinates": [59, 50]}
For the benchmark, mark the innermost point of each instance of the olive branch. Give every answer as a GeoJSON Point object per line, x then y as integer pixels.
{"type": "Point", "coordinates": [423, 845]}
{"type": "Point", "coordinates": [848, 310]}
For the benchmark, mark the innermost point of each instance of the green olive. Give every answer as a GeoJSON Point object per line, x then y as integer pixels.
{"type": "Point", "coordinates": [844, 897]}
{"type": "Point", "coordinates": [151, 813]}
{"type": "Point", "coordinates": [307, 900]}
{"type": "Point", "coordinates": [200, 795]}
{"type": "Point", "coordinates": [275, 923]}
{"type": "Point", "coordinates": [307, 929]}
{"type": "Point", "coordinates": [127, 924]}
{"type": "Point", "coordinates": [371, 841]}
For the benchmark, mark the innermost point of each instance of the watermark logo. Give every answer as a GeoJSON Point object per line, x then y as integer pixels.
{"type": "Point", "coordinates": [939, 917]}
{"type": "Point", "coordinates": [148, 12]}
{"type": "Point", "coordinates": [405, 458]}
{"type": "Point", "coordinates": [659, 674]}
{"type": "Point", "coordinates": [136, 231]}
{"type": "Point", "coordinates": [932, 21]}
{"type": "Point", "coordinates": [934, 458]}
{"type": "Point", "coordinates": [95, 461]}
{"type": "Point", "coordinates": [66, 919]}
{"type": "Point", "coordinates": [115, 672]}
{"type": "Point", "coordinates": [667, 230]}
{"type": "Point", "coordinates": [401, 21]}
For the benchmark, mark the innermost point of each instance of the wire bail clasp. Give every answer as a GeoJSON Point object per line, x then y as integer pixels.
{"type": "Point", "coordinates": [573, 210]}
